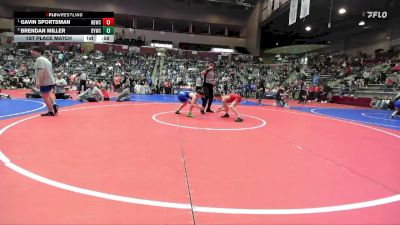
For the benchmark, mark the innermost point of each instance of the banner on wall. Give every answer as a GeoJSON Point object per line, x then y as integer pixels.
{"type": "Point", "coordinates": [265, 4]}
{"type": "Point", "coordinates": [276, 4]}
{"type": "Point", "coordinates": [264, 15]}
{"type": "Point", "coordinates": [269, 8]}
{"type": "Point", "coordinates": [293, 11]}
{"type": "Point", "coordinates": [134, 49]}
{"type": "Point", "coordinates": [305, 8]}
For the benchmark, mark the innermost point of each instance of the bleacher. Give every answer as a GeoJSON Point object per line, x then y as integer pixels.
{"type": "Point", "coordinates": [373, 90]}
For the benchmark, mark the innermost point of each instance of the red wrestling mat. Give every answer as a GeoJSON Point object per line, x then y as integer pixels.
{"type": "Point", "coordinates": [123, 163]}
{"type": "Point", "coordinates": [16, 93]}
{"type": "Point", "coordinates": [294, 103]}
{"type": "Point", "coordinates": [21, 93]}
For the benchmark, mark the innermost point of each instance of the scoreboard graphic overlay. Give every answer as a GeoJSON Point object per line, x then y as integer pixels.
{"type": "Point", "coordinates": [64, 27]}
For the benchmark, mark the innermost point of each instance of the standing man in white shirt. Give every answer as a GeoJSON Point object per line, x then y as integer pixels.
{"type": "Point", "coordinates": [45, 81]}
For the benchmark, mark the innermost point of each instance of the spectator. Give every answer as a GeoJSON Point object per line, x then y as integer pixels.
{"type": "Point", "coordinates": [366, 75]}
{"type": "Point", "coordinates": [311, 90]}
{"type": "Point", "coordinates": [382, 77]}
{"type": "Point", "coordinates": [117, 82]}
{"type": "Point", "coordinates": [73, 80]}
{"type": "Point", "coordinates": [167, 86]}
{"type": "Point", "coordinates": [61, 83]}
{"type": "Point", "coordinates": [279, 97]}
{"type": "Point", "coordinates": [326, 95]}
{"type": "Point", "coordinates": [389, 83]}
{"type": "Point", "coordinates": [261, 90]}
{"type": "Point", "coordinates": [92, 94]}
{"type": "Point", "coordinates": [396, 68]}
{"type": "Point", "coordinates": [146, 88]}
{"type": "Point", "coordinates": [124, 95]}
{"type": "Point", "coordinates": [2, 96]}
{"type": "Point", "coordinates": [317, 92]}
{"type": "Point", "coordinates": [105, 93]}
{"type": "Point", "coordinates": [302, 92]}
{"type": "Point", "coordinates": [375, 102]}
{"type": "Point", "coordinates": [252, 90]}
{"type": "Point", "coordinates": [293, 89]}
{"type": "Point", "coordinates": [27, 82]}
{"type": "Point", "coordinates": [316, 79]}
{"type": "Point", "coordinates": [199, 83]}
{"type": "Point", "coordinates": [45, 81]}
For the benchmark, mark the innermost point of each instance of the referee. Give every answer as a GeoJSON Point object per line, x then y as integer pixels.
{"type": "Point", "coordinates": [208, 86]}
{"type": "Point", "coordinates": [83, 82]}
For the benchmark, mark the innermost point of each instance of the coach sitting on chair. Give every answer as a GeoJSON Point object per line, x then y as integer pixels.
{"type": "Point", "coordinates": [92, 94]}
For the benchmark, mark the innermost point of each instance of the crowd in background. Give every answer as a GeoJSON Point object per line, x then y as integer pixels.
{"type": "Point", "coordinates": [377, 75]}
{"type": "Point", "coordinates": [360, 70]}
{"type": "Point", "coordinates": [164, 74]}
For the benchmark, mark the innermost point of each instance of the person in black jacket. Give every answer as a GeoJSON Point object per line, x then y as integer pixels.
{"type": "Point", "coordinates": [208, 76]}
{"type": "Point", "coordinates": [303, 92]}
{"type": "Point", "coordinates": [261, 90]}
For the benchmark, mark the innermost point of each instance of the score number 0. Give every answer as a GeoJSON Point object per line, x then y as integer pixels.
{"type": "Point", "coordinates": [108, 26]}
{"type": "Point", "coordinates": [108, 21]}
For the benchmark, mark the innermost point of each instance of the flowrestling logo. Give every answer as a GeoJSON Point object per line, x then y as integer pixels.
{"type": "Point", "coordinates": [376, 14]}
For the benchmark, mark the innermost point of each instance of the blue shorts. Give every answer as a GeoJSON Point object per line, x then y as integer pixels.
{"type": "Point", "coordinates": [46, 89]}
{"type": "Point", "coordinates": [182, 98]}
{"type": "Point", "coordinates": [397, 104]}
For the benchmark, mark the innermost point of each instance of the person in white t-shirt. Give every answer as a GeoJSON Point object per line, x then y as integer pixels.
{"type": "Point", "coordinates": [45, 81]}
{"type": "Point", "coordinates": [366, 75]}
{"type": "Point", "coordinates": [199, 83]}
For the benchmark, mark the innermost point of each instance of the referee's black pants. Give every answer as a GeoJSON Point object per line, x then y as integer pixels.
{"type": "Point", "coordinates": [209, 95]}
{"type": "Point", "coordinates": [82, 83]}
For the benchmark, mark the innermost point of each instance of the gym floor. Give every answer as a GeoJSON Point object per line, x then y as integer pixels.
{"type": "Point", "coordinates": [139, 163]}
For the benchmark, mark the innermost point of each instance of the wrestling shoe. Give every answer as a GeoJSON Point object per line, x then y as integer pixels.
{"type": "Point", "coordinates": [47, 114]}
{"type": "Point", "coordinates": [55, 108]}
